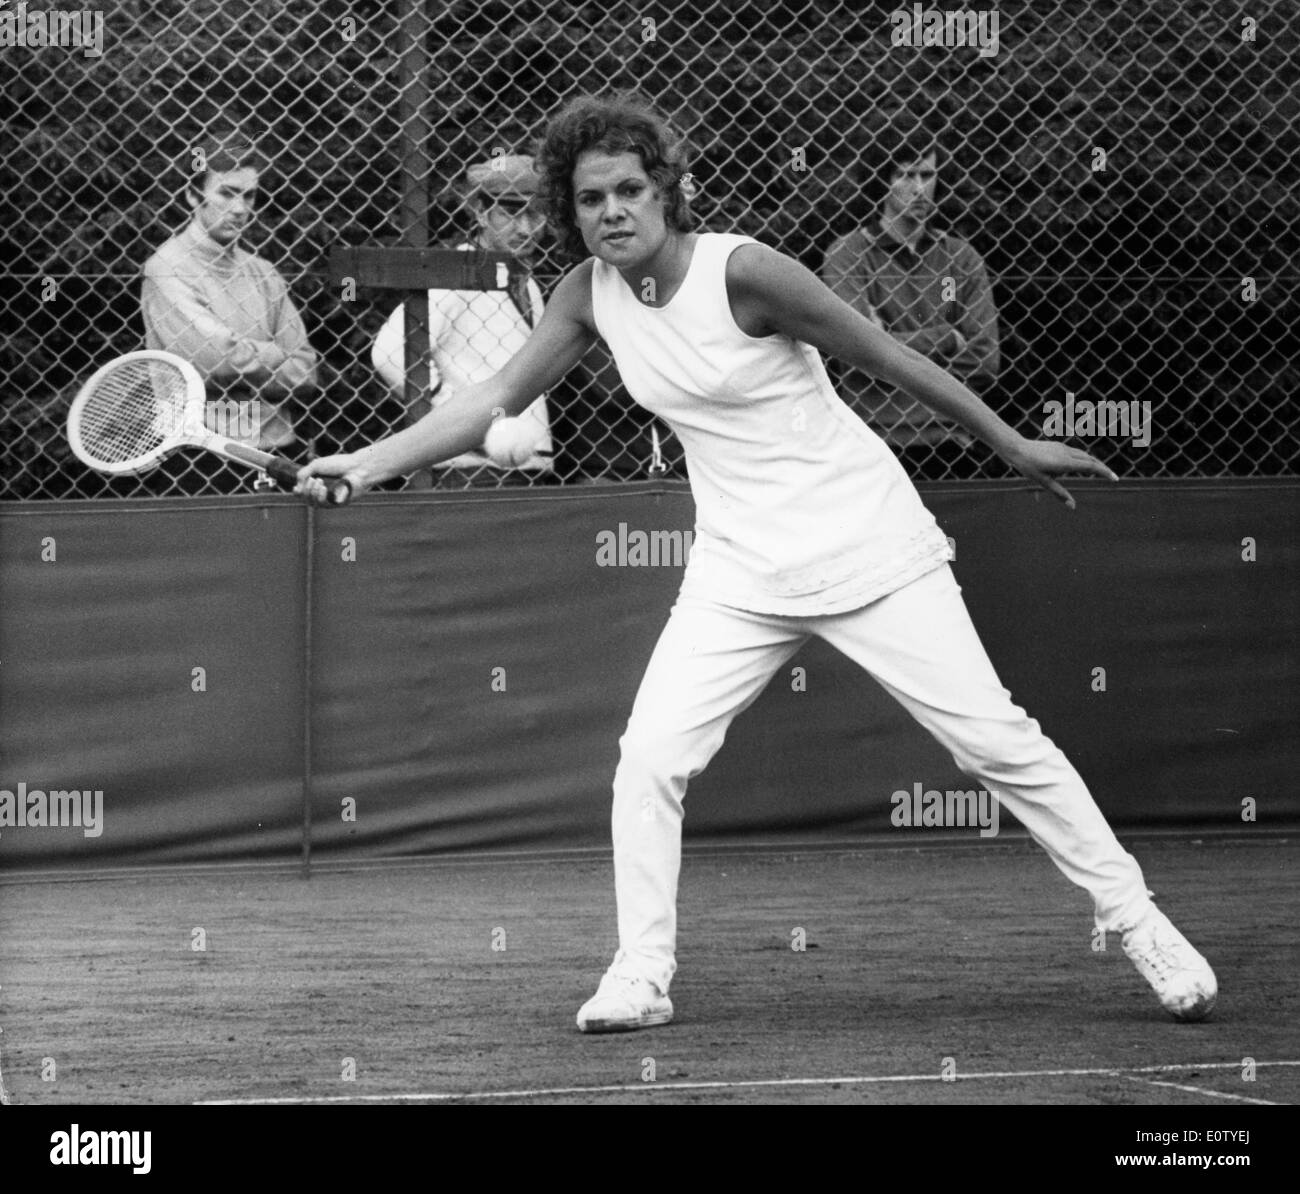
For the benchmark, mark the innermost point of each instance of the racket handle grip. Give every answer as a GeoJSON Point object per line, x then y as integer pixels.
{"type": "Point", "coordinates": [286, 473]}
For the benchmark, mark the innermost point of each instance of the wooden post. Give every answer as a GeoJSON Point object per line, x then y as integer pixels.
{"type": "Point", "coordinates": [413, 62]}
{"type": "Point", "coordinates": [413, 273]}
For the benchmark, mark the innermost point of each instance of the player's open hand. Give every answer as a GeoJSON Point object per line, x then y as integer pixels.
{"type": "Point", "coordinates": [318, 481]}
{"type": "Point", "coordinates": [1040, 460]}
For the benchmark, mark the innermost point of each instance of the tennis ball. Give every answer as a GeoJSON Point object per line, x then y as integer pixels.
{"type": "Point", "coordinates": [510, 442]}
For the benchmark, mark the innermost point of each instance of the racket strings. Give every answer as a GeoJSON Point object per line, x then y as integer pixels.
{"type": "Point", "coordinates": [133, 410]}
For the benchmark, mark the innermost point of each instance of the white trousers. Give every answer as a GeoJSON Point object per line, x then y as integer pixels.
{"type": "Point", "coordinates": [711, 663]}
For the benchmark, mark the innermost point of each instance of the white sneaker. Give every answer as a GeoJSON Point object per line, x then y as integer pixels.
{"type": "Point", "coordinates": [624, 1002]}
{"type": "Point", "coordinates": [1178, 974]}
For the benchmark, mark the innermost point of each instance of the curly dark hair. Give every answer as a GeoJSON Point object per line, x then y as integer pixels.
{"type": "Point", "coordinates": [623, 123]}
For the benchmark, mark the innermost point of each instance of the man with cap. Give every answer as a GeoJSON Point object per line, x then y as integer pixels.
{"type": "Point", "coordinates": [473, 333]}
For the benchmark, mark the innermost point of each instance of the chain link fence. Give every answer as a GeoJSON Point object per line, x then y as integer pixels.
{"type": "Point", "coordinates": [1127, 171]}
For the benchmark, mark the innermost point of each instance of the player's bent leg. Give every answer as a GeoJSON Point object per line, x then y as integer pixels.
{"type": "Point", "coordinates": [919, 644]}
{"type": "Point", "coordinates": [709, 665]}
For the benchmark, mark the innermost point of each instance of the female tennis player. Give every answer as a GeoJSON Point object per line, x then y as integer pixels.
{"type": "Point", "coordinates": [805, 525]}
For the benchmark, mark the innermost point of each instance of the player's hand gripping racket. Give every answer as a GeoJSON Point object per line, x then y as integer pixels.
{"type": "Point", "coordinates": [140, 408]}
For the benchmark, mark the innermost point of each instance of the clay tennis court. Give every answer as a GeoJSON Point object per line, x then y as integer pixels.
{"type": "Point", "coordinates": [981, 954]}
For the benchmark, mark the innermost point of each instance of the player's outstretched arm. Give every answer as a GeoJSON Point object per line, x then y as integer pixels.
{"type": "Point", "coordinates": [562, 337]}
{"type": "Point", "coordinates": [773, 293]}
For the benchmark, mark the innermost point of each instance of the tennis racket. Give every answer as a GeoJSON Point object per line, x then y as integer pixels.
{"type": "Point", "coordinates": [142, 407]}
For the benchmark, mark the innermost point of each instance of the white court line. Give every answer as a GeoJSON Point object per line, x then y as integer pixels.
{"type": "Point", "coordinates": [1204, 1090]}
{"type": "Point", "coordinates": [750, 1084]}
{"type": "Point", "coordinates": [4, 1096]}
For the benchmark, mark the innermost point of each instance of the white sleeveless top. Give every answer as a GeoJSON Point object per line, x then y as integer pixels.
{"type": "Point", "coordinates": [800, 507]}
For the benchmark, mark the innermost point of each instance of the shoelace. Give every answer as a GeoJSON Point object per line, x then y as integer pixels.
{"type": "Point", "coordinates": [1160, 956]}
{"type": "Point", "coordinates": [620, 971]}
